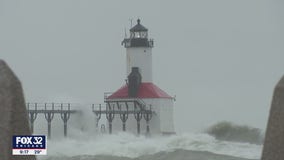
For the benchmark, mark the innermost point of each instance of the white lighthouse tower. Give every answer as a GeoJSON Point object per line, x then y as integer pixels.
{"type": "Point", "coordinates": [140, 96]}
{"type": "Point", "coordinates": [139, 51]}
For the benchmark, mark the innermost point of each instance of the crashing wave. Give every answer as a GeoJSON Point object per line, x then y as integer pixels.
{"type": "Point", "coordinates": [238, 133]}
{"type": "Point", "coordinates": [133, 147]}
{"type": "Point", "coordinates": [178, 154]}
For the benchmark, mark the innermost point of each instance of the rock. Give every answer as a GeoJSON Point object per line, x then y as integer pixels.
{"type": "Point", "coordinates": [273, 148]}
{"type": "Point", "coordinates": [13, 113]}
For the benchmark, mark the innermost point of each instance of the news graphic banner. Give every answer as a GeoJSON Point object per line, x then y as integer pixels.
{"type": "Point", "coordinates": [29, 145]}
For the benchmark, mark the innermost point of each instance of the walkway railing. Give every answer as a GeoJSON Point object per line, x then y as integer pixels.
{"type": "Point", "coordinates": [49, 110]}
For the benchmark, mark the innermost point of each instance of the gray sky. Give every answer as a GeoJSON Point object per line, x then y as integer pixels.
{"type": "Point", "coordinates": [221, 58]}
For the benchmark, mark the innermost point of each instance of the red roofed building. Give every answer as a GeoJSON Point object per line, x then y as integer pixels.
{"type": "Point", "coordinates": [146, 90]}
{"type": "Point", "coordinates": [142, 106]}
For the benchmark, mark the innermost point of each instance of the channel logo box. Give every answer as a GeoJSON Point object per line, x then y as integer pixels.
{"type": "Point", "coordinates": [29, 145]}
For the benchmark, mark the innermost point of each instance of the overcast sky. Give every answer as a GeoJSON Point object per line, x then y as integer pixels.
{"type": "Point", "coordinates": [221, 58]}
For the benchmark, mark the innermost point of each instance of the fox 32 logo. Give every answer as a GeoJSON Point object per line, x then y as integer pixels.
{"type": "Point", "coordinates": [29, 145]}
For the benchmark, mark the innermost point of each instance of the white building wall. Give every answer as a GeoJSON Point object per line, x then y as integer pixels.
{"type": "Point", "coordinates": [166, 116]}
{"type": "Point", "coordinates": [140, 57]}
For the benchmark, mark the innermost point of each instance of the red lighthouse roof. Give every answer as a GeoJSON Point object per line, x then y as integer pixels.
{"type": "Point", "coordinates": [146, 90]}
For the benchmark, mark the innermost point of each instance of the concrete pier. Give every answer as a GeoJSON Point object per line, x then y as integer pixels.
{"type": "Point", "coordinates": [13, 113]}
{"type": "Point", "coordinates": [273, 148]}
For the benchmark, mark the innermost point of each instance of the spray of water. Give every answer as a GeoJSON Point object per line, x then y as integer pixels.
{"type": "Point", "coordinates": [83, 139]}
{"type": "Point", "coordinates": [129, 145]}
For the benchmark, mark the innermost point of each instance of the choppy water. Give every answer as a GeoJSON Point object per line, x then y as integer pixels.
{"type": "Point", "coordinates": [127, 146]}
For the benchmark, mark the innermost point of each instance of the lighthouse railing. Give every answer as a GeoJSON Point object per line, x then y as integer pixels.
{"type": "Point", "coordinates": [49, 110]}
{"type": "Point", "coordinates": [114, 107]}
{"type": "Point", "coordinates": [106, 95]}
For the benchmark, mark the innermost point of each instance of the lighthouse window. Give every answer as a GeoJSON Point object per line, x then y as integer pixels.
{"type": "Point", "coordinates": [137, 35]}
{"type": "Point", "coordinates": [144, 34]}
{"type": "Point", "coordinates": [132, 35]}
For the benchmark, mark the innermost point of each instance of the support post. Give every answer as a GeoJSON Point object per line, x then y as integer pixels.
{"type": "Point", "coordinates": [123, 116]}
{"type": "Point", "coordinates": [109, 116]}
{"type": "Point", "coordinates": [98, 114]}
{"type": "Point", "coordinates": [49, 116]}
{"type": "Point", "coordinates": [138, 117]}
{"type": "Point", "coordinates": [148, 116]}
{"type": "Point", "coordinates": [32, 116]}
{"type": "Point", "coordinates": [65, 115]}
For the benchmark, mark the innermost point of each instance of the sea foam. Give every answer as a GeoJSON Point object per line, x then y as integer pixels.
{"type": "Point", "coordinates": [132, 146]}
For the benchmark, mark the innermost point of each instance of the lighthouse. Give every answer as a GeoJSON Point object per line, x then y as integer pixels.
{"type": "Point", "coordinates": [139, 51]}
{"type": "Point", "coordinates": [140, 106]}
